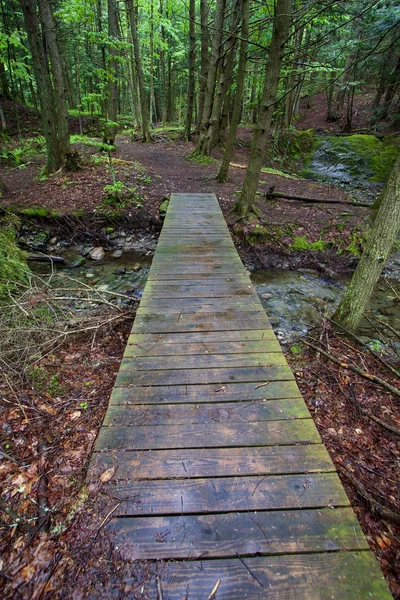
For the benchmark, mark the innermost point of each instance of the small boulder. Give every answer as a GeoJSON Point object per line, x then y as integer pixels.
{"type": "Point", "coordinates": [97, 253]}
{"type": "Point", "coordinates": [117, 254]}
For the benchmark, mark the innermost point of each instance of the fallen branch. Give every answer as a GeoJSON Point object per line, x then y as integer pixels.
{"type": "Point", "coordinates": [377, 508]}
{"type": "Point", "coordinates": [214, 590]}
{"type": "Point", "coordinates": [364, 374]}
{"type": "Point", "coordinates": [271, 194]}
{"type": "Point", "coordinates": [45, 258]}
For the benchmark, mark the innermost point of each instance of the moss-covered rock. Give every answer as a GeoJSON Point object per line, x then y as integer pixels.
{"type": "Point", "coordinates": [351, 159]}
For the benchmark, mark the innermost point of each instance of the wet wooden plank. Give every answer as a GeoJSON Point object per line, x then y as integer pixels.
{"type": "Point", "coordinates": [211, 348]}
{"type": "Point", "coordinates": [180, 316]}
{"type": "Point", "coordinates": [219, 325]}
{"type": "Point", "coordinates": [199, 376]}
{"type": "Point", "coordinates": [227, 535]}
{"type": "Point", "coordinates": [246, 335]}
{"type": "Point", "coordinates": [227, 392]}
{"type": "Point", "coordinates": [229, 494]}
{"type": "Point", "coordinates": [149, 437]}
{"type": "Point", "coordinates": [321, 576]}
{"type": "Point", "coordinates": [213, 462]}
{"type": "Point", "coordinates": [205, 361]}
{"type": "Point", "coordinates": [212, 412]}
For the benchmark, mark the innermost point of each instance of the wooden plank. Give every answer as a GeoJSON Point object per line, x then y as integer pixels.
{"type": "Point", "coordinates": [229, 494]}
{"type": "Point", "coordinates": [213, 462]}
{"type": "Point", "coordinates": [321, 576]}
{"type": "Point", "coordinates": [227, 535]}
{"type": "Point", "coordinates": [205, 361]}
{"type": "Point", "coordinates": [154, 349]}
{"type": "Point", "coordinates": [214, 412]}
{"type": "Point", "coordinates": [218, 435]}
{"type": "Point", "coordinates": [219, 325]}
{"type": "Point", "coordinates": [196, 376]}
{"type": "Point", "coordinates": [227, 392]}
{"type": "Point", "coordinates": [246, 335]}
{"type": "Point", "coordinates": [199, 292]}
{"type": "Point", "coordinates": [170, 308]}
{"type": "Point", "coordinates": [198, 304]}
{"type": "Point", "coordinates": [229, 314]}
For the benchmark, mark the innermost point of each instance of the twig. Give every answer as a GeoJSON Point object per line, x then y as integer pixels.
{"type": "Point", "coordinates": [394, 331]}
{"type": "Point", "coordinates": [247, 568]}
{"type": "Point", "coordinates": [262, 385]}
{"type": "Point", "coordinates": [380, 510]}
{"type": "Point", "coordinates": [364, 374]}
{"type": "Point", "coordinates": [160, 595]}
{"type": "Point", "coordinates": [211, 595]}
{"type": "Point", "coordinates": [349, 333]}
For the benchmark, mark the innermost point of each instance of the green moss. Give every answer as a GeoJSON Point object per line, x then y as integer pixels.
{"type": "Point", "coordinates": [162, 209]}
{"type": "Point", "coordinates": [13, 266]}
{"type": "Point", "coordinates": [301, 243]}
{"type": "Point", "coordinates": [362, 157]}
{"type": "Point", "coordinates": [277, 172]}
{"type": "Point", "coordinates": [201, 159]}
{"type": "Point", "coordinates": [39, 212]}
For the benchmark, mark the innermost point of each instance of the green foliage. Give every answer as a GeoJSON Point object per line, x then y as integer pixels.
{"type": "Point", "coordinates": [162, 209]}
{"type": "Point", "coordinates": [13, 266]}
{"type": "Point", "coordinates": [302, 244]}
{"type": "Point", "coordinates": [44, 382]}
{"type": "Point", "coordinates": [293, 145]}
{"type": "Point", "coordinates": [16, 156]}
{"type": "Point", "coordinates": [119, 196]}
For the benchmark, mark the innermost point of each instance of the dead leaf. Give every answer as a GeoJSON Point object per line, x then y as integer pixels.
{"type": "Point", "coordinates": [107, 475]}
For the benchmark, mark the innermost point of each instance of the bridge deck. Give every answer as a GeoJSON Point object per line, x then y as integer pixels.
{"type": "Point", "coordinates": [224, 473]}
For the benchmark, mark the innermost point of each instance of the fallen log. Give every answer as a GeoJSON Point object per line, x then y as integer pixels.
{"type": "Point", "coordinates": [45, 258]}
{"type": "Point", "coordinates": [271, 194]}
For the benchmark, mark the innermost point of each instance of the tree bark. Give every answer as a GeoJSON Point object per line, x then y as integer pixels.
{"type": "Point", "coordinates": [110, 128]}
{"type": "Point", "coordinates": [281, 26]}
{"type": "Point", "coordinates": [192, 48]}
{"type": "Point", "coordinates": [203, 58]}
{"type": "Point", "coordinates": [210, 135]}
{"type": "Point", "coordinates": [380, 241]}
{"type": "Point", "coordinates": [48, 106]}
{"type": "Point", "coordinates": [211, 75]}
{"type": "Point", "coordinates": [49, 30]}
{"type": "Point", "coordinates": [139, 71]}
{"type": "Point", "coordinates": [237, 106]}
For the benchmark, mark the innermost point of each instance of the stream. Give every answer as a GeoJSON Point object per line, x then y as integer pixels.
{"type": "Point", "coordinates": [294, 301]}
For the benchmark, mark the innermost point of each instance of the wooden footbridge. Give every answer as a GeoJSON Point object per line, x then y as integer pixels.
{"type": "Point", "coordinates": [228, 490]}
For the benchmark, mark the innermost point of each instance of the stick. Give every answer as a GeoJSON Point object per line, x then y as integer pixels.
{"type": "Point", "coordinates": [368, 376]}
{"type": "Point", "coordinates": [270, 195]}
{"type": "Point", "coordinates": [380, 510]}
{"type": "Point", "coordinates": [211, 595]}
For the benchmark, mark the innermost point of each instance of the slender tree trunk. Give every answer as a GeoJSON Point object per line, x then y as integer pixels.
{"type": "Point", "coordinates": [192, 49]}
{"type": "Point", "coordinates": [380, 242]}
{"type": "Point", "coordinates": [151, 86]}
{"type": "Point", "coordinates": [237, 105]}
{"type": "Point", "coordinates": [210, 136]}
{"type": "Point", "coordinates": [202, 144]}
{"type": "Point", "coordinates": [203, 58]}
{"type": "Point", "coordinates": [162, 68]}
{"type": "Point", "coordinates": [139, 71]}
{"type": "Point", "coordinates": [281, 26]}
{"type": "Point", "coordinates": [110, 129]}
{"type": "Point", "coordinates": [55, 158]}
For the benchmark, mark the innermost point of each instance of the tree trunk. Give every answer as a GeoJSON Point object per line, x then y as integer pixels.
{"type": "Point", "coordinates": [237, 106]}
{"type": "Point", "coordinates": [211, 76]}
{"type": "Point", "coordinates": [209, 138]}
{"type": "Point", "coordinates": [203, 58]}
{"type": "Point", "coordinates": [192, 48]}
{"type": "Point", "coordinates": [281, 26]}
{"type": "Point", "coordinates": [55, 157]}
{"type": "Point", "coordinates": [49, 30]}
{"type": "Point", "coordinates": [139, 71]}
{"type": "Point", "coordinates": [380, 241]}
{"type": "Point", "coordinates": [110, 128]}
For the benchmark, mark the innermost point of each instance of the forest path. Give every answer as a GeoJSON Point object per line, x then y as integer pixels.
{"type": "Point", "coordinates": [223, 479]}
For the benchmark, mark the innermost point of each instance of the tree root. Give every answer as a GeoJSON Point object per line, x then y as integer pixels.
{"type": "Point", "coordinates": [364, 374]}
{"type": "Point", "coordinates": [377, 508]}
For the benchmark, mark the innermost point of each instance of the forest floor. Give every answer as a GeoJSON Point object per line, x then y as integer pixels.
{"type": "Point", "coordinates": [53, 522]}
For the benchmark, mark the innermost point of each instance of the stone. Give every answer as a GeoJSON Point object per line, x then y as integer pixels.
{"type": "Point", "coordinates": [86, 250]}
{"type": "Point", "coordinates": [97, 253]}
{"type": "Point", "coordinates": [77, 262]}
{"type": "Point", "coordinates": [117, 254]}
{"type": "Point", "coordinates": [52, 241]}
